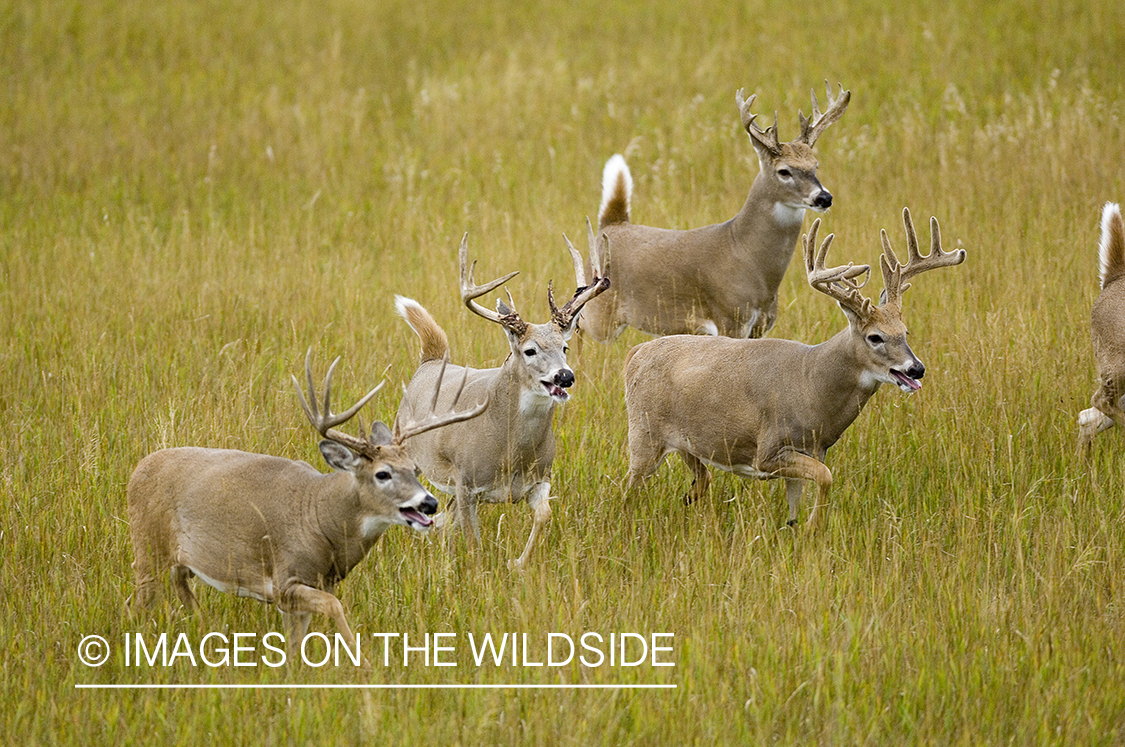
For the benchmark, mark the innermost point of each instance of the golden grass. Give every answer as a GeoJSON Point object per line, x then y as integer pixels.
{"type": "Point", "coordinates": [195, 193]}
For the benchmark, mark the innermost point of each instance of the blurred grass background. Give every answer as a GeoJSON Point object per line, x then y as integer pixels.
{"type": "Point", "coordinates": [192, 194]}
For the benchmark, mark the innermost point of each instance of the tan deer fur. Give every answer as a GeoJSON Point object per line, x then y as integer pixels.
{"type": "Point", "coordinates": [506, 454]}
{"type": "Point", "coordinates": [720, 279]}
{"type": "Point", "coordinates": [1107, 331]}
{"type": "Point", "coordinates": [771, 408]}
{"type": "Point", "coordinates": [276, 529]}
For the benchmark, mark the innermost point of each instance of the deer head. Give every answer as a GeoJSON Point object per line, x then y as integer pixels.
{"type": "Point", "coordinates": [538, 350]}
{"type": "Point", "coordinates": [792, 165]}
{"type": "Point", "coordinates": [877, 331]}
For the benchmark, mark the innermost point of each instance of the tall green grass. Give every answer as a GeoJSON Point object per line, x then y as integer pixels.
{"type": "Point", "coordinates": [193, 194]}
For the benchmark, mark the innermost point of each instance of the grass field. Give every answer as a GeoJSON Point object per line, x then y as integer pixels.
{"type": "Point", "coordinates": [193, 194]}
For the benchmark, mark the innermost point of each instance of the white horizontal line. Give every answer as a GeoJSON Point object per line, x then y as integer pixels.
{"type": "Point", "coordinates": [297, 686]}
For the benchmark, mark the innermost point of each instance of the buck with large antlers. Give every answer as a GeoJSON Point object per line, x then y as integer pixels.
{"type": "Point", "coordinates": [1107, 328]}
{"type": "Point", "coordinates": [772, 408]}
{"type": "Point", "coordinates": [276, 529]}
{"type": "Point", "coordinates": [721, 279]}
{"type": "Point", "coordinates": [506, 454]}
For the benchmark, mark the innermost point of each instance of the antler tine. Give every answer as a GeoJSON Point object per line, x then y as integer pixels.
{"type": "Point", "coordinates": [768, 138]}
{"type": "Point", "coordinates": [471, 291]}
{"type": "Point", "coordinates": [838, 282]}
{"type": "Point", "coordinates": [324, 421]}
{"type": "Point", "coordinates": [576, 258]}
{"type": "Point", "coordinates": [413, 427]}
{"type": "Point", "coordinates": [814, 126]}
{"type": "Point", "coordinates": [896, 274]}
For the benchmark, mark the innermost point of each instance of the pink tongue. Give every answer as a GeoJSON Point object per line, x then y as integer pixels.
{"type": "Point", "coordinates": [913, 384]}
{"type": "Point", "coordinates": [416, 517]}
{"type": "Point", "coordinates": [556, 391]}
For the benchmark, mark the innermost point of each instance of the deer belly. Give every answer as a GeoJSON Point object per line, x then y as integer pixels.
{"type": "Point", "coordinates": [262, 591]}
{"type": "Point", "coordinates": [742, 470]}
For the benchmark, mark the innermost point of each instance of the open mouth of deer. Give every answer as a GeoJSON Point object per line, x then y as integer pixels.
{"type": "Point", "coordinates": [555, 392]}
{"type": "Point", "coordinates": [905, 383]}
{"type": "Point", "coordinates": [415, 518]}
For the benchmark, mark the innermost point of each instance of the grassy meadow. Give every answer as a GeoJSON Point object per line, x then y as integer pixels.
{"type": "Point", "coordinates": [194, 193]}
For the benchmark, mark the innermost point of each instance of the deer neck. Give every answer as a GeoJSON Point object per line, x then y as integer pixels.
{"type": "Point", "coordinates": [838, 381]}
{"type": "Point", "coordinates": [347, 531]}
{"type": "Point", "coordinates": [765, 231]}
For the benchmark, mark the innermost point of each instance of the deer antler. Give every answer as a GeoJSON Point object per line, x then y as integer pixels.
{"type": "Point", "coordinates": [836, 282]}
{"type": "Point", "coordinates": [414, 427]}
{"type": "Point", "coordinates": [895, 274]}
{"type": "Point", "coordinates": [325, 421]}
{"type": "Point", "coordinates": [812, 128]}
{"type": "Point", "coordinates": [768, 138]}
{"type": "Point", "coordinates": [470, 291]}
{"type": "Point", "coordinates": [584, 292]}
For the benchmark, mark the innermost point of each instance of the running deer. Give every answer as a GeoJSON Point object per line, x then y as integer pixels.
{"type": "Point", "coordinates": [721, 279]}
{"type": "Point", "coordinates": [506, 454]}
{"type": "Point", "coordinates": [1107, 327]}
{"type": "Point", "coordinates": [772, 408]}
{"type": "Point", "coordinates": [276, 529]}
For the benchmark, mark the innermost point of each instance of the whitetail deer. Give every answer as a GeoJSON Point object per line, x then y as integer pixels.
{"type": "Point", "coordinates": [506, 454]}
{"type": "Point", "coordinates": [1107, 328]}
{"type": "Point", "coordinates": [276, 529]}
{"type": "Point", "coordinates": [772, 408]}
{"type": "Point", "coordinates": [721, 279]}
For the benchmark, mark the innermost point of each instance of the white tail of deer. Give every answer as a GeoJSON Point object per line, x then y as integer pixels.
{"type": "Point", "coordinates": [276, 529]}
{"type": "Point", "coordinates": [721, 279]}
{"type": "Point", "coordinates": [506, 454]}
{"type": "Point", "coordinates": [1107, 330]}
{"type": "Point", "coordinates": [772, 408]}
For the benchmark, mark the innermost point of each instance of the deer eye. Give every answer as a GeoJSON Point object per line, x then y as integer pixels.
{"type": "Point", "coordinates": [784, 173]}
{"type": "Point", "coordinates": [382, 475]}
{"type": "Point", "coordinates": [875, 339]}
{"type": "Point", "coordinates": [530, 352]}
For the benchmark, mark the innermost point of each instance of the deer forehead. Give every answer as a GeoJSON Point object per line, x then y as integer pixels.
{"type": "Point", "coordinates": [547, 336]}
{"type": "Point", "coordinates": [393, 458]}
{"type": "Point", "coordinates": [797, 155]}
{"type": "Point", "coordinates": [887, 319]}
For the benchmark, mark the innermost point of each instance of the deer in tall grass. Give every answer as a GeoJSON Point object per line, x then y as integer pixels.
{"type": "Point", "coordinates": [720, 279]}
{"type": "Point", "coordinates": [1107, 328]}
{"type": "Point", "coordinates": [506, 454]}
{"type": "Point", "coordinates": [772, 408]}
{"type": "Point", "coordinates": [276, 529]}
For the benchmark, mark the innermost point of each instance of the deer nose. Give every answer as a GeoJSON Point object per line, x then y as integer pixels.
{"type": "Point", "coordinates": [917, 370]}
{"type": "Point", "coordinates": [823, 200]}
{"type": "Point", "coordinates": [564, 378]}
{"type": "Point", "coordinates": [429, 505]}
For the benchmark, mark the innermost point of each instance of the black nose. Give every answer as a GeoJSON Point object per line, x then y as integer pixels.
{"type": "Point", "coordinates": [823, 200]}
{"type": "Point", "coordinates": [916, 371]}
{"type": "Point", "coordinates": [429, 505]}
{"type": "Point", "coordinates": [564, 378]}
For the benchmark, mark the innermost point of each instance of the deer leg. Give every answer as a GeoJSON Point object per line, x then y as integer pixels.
{"type": "Point", "coordinates": [1106, 412]}
{"type": "Point", "coordinates": [540, 502]}
{"type": "Point", "coordinates": [793, 489]}
{"type": "Point", "coordinates": [143, 571]}
{"type": "Point", "coordinates": [180, 576]}
{"type": "Point", "coordinates": [299, 601]}
{"type": "Point", "coordinates": [467, 517]}
{"type": "Point", "coordinates": [701, 478]}
{"type": "Point", "coordinates": [795, 466]}
{"type": "Point", "coordinates": [645, 456]}
{"type": "Point", "coordinates": [1108, 399]}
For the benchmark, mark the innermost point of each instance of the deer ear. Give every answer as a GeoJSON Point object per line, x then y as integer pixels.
{"type": "Point", "coordinates": [338, 456]}
{"type": "Point", "coordinates": [503, 309]}
{"type": "Point", "coordinates": [381, 434]}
